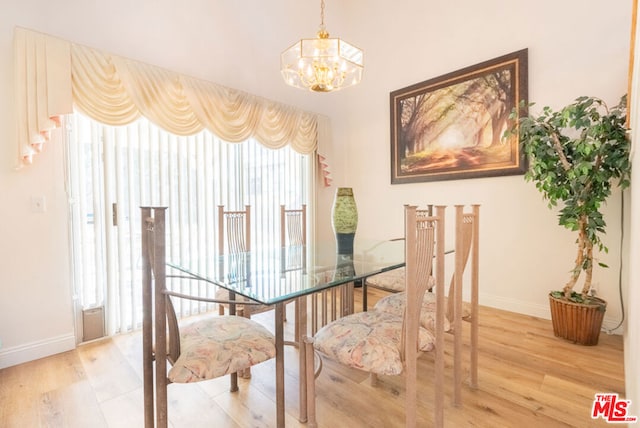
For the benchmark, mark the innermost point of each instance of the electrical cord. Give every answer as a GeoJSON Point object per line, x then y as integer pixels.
{"type": "Point", "coordinates": [611, 330]}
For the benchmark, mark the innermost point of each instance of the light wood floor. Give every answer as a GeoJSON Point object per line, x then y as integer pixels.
{"type": "Point", "coordinates": [527, 378]}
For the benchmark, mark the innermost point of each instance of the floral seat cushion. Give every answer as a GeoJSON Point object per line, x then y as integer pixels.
{"type": "Point", "coordinates": [368, 341]}
{"type": "Point", "coordinates": [394, 304]}
{"type": "Point", "coordinates": [392, 280]}
{"type": "Point", "coordinates": [220, 345]}
{"type": "Point", "coordinates": [223, 294]}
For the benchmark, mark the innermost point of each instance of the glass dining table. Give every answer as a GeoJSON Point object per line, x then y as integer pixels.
{"type": "Point", "coordinates": [275, 276]}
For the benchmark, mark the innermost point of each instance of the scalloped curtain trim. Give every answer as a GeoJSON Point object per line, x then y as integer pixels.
{"type": "Point", "coordinates": [53, 75]}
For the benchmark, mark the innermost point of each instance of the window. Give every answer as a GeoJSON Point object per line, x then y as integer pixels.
{"type": "Point", "coordinates": [115, 170]}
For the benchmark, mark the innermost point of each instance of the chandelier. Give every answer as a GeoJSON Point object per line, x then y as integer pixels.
{"type": "Point", "coordinates": [322, 64]}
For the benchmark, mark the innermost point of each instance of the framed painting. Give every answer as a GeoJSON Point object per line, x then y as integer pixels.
{"type": "Point", "coordinates": [451, 127]}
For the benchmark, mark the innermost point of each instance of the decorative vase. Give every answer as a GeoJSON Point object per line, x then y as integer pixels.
{"type": "Point", "coordinates": [344, 267]}
{"type": "Point", "coordinates": [578, 323]}
{"type": "Point", "coordinates": [344, 219]}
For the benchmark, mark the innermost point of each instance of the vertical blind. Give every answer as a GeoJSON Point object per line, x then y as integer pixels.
{"type": "Point", "coordinates": [115, 170]}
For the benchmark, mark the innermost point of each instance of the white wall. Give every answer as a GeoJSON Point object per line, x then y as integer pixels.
{"type": "Point", "coordinates": [231, 43]}
{"type": "Point", "coordinates": [35, 299]}
{"type": "Point", "coordinates": [575, 48]}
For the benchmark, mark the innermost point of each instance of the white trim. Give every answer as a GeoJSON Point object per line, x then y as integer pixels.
{"type": "Point", "coordinates": [518, 306]}
{"type": "Point", "coordinates": [535, 310]}
{"type": "Point", "coordinates": [38, 349]}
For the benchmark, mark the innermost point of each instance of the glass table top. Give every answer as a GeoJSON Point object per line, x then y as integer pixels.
{"type": "Point", "coordinates": [274, 274]}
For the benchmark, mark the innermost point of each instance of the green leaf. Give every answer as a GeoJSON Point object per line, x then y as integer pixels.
{"type": "Point", "coordinates": [576, 154]}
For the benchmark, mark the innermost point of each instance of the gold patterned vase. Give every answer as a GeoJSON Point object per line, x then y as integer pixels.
{"type": "Point", "coordinates": [344, 219]}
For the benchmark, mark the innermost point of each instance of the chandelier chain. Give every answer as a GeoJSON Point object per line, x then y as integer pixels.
{"type": "Point", "coordinates": [322, 27]}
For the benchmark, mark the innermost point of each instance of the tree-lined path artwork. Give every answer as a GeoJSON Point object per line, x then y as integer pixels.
{"type": "Point", "coordinates": [452, 127]}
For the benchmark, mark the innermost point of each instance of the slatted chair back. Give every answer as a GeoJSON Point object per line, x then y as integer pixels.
{"type": "Point", "coordinates": [420, 229]}
{"type": "Point", "coordinates": [234, 240]}
{"type": "Point", "coordinates": [293, 237]}
{"type": "Point", "coordinates": [234, 230]}
{"type": "Point", "coordinates": [466, 248]}
{"type": "Point", "coordinates": [293, 225]}
{"type": "Point", "coordinates": [391, 281]}
{"type": "Point", "coordinates": [424, 251]}
{"type": "Point", "coordinates": [293, 250]}
{"type": "Point", "coordinates": [464, 238]}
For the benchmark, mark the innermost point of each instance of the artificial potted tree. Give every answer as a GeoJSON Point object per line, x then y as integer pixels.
{"type": "Point", "coordinates": [576, 154]}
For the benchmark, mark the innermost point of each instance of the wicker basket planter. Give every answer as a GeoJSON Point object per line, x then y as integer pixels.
{"type": "Point", "coordinates": [576, 322]}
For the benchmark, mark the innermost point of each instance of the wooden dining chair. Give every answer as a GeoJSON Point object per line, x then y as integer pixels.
{"type": "Point", "coordinates": [384, 343]}
{"type": "Point", "coordinates": [200, 350]}
{"type": "Point", "coordinates": [466, 248]}
{"type": "Point", "coordinates": [293, 247]}
{"type": "Point", "coordinates": [234, 241]}
{"type": "Point", "coordinates": [293, 238]}
{"type": "Point", "coordinates": [391, 281]}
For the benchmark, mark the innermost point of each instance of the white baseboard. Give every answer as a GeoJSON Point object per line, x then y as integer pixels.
{"type": "Point", "coordinates": [536, 310]}
{"type": "Point", "coordinates": [518, 306]}
{"type": "Point", "coordinates": [35, 350]}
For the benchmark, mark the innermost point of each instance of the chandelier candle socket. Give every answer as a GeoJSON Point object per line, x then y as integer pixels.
{"type": "Point", "coordinates": [323, 64]}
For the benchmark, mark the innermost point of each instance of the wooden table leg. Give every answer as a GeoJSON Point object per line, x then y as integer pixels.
{"type": "Point", "coordinates": [233, 377]}
{"type": "Point", "coordinates": [147, 323]}
{"type": "Point", "coordinates": [365, 300]}
{"type": "Point", "coordinates": [301, 319]}
{"type": "Point", "coordinates": [311, 386]}
{"type": "Point", "coordinates": [279, 317]}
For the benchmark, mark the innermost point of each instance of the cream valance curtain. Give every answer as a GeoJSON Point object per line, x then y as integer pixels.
{"type": "Point", "coordinates": [53, 75]}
